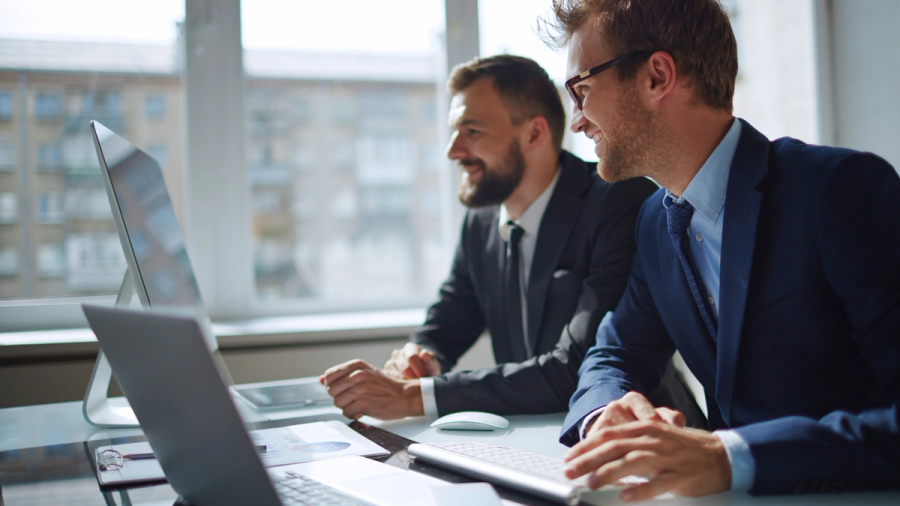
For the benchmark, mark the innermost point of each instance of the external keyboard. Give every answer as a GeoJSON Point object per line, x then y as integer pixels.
{"type": "Point", "coordinates": [525, 471]}
{"type": "Point", "coordinates": [296, 490]}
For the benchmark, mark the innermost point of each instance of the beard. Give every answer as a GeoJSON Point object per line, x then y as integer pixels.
{"type": "Point", "coordinates": [497, 182]}
{"type": "Point", "coordinates": [630, 144]}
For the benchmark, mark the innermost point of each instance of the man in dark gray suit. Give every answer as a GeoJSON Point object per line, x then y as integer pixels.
{"type": "Point", "coordinates": [545, 252]}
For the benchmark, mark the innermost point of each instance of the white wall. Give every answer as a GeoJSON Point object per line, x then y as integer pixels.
{"type": "Point", "coordinates": [866, 76]}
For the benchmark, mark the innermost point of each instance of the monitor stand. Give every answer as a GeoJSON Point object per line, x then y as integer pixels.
{"type": "Point", "coordinates": [99, 410]}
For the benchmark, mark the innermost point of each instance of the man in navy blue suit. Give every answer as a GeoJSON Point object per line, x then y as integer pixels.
{"type": "Point", "coordinates": [772, 266]}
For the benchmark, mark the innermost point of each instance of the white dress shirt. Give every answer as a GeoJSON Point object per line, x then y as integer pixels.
{"type": "Point", "coordinates": [530, 221]}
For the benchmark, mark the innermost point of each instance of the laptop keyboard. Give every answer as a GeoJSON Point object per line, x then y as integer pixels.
{"type": "Point", "coordinates": [296, 490]}
{"type": "Point", "coordinates": [520, 460]}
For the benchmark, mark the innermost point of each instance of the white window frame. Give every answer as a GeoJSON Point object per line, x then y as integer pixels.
{"type": "Point", "coordinates": [218, 212]}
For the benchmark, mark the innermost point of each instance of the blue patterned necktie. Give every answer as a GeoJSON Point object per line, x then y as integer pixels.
{"type": "Point", "coordinates": [513, 287]}
{"type": "Point", "coordinates": [678, 218]}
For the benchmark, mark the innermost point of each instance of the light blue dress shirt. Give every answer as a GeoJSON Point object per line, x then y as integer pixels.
{"type": "Point", "coordinates": [706, 192]}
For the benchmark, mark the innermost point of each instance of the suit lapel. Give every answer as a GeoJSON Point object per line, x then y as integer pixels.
{"type": "Point", "coordinates": [742, 207]}
{"type": "Point", "coordinates": [556, 225]}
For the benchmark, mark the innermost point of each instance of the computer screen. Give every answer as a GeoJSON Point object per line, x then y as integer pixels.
{"type": "Point", "coordinates": [151, 238]}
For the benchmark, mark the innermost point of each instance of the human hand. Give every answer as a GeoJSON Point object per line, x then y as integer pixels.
{"type": "Point", "coordinates": [633, 407]}
{"type": "Point", "coordinates": [412, 361]}
{"type": "Point", "coordinates": [683, 461]}
{"type": "Point", "coordinates": [361, 389]}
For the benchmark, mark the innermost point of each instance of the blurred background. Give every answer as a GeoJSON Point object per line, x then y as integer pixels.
{"type": "Point", "coordinates": [303, 142]}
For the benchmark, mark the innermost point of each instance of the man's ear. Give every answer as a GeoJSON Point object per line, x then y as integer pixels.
{"type": "Point", "coordinates": [536, 132]}
{"type": "Point", "coordinates": [660, 78]}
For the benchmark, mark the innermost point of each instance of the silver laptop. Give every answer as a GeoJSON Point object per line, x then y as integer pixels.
{"type": "Point", "coordinates": [164, 368]}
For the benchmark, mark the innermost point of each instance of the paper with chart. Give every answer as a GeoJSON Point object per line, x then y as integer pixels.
{"type": "Point", "coordinates": [311, 441]}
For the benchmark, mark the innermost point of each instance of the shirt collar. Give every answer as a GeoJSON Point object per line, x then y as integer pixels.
{"type": "Point", "coordinates": [706, 191]}
{"type": "Point", "coordinates": [530, 221]}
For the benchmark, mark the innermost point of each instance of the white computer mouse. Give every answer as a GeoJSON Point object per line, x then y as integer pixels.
{"type": "Point", "coordinates": [471, 420]}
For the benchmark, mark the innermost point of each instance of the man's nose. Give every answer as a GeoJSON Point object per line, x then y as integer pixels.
{"type": "Point", "coordinates": [455, 148]}
{"type": "Point", "coordinates": [578, 120]}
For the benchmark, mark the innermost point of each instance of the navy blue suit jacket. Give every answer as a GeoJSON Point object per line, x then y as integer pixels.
{"type": "Point", "coordinates": [807, 363]}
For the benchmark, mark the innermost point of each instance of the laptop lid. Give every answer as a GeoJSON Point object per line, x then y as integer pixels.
{"type": "Point", "coordinates": [164, 369]}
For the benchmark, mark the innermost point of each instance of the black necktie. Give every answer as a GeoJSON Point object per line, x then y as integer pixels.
{"type": "Point", "coordinates": [678, 218]}
{"type": "Point", "coordinates": [513, 287]}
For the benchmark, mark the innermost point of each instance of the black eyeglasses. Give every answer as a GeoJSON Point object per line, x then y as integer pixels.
{"type": "Point", "coordinates": [570, 84]}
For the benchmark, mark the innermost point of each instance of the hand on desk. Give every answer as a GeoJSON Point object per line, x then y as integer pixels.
{"type": "Point", "coordinates": [412, 361]}
{"type": "Point", "coordinates": [361, 389]}
{"type": "Point", "coordinates": [635, 438]}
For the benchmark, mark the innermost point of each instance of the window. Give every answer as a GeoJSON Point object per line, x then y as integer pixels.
{"type": "Point", "coordinates": [5, 104]}
{"type": "Point", "coordinates": [7, 155]}
{"type": "Point", "coordinates": [49, 157]}
{"type": "Point", "coordinates": [47, 105]}
{"type": "Point", "coordinates": [775, 89]}
{"type": "Point", "coordinates": [159, 153]}
{"type": "Point", "coordinates": [334, 205]}
{"type": "Point", "coordinates": [79, 155]}
{"type": "Point", "coordinates": [49, 208]}
{"type": "Point", "coordinates": [9, 208]}
{"type": "Point", "coordinates": [114, 65]}
{"type": "Point", "coordinates": [508, 26]}
{"type": "Point", "coordinates": [51, 261]}
{"type": "Point", "coordinates": [9, 261]}
{"type": "Point", "coordinates": [155, 106]}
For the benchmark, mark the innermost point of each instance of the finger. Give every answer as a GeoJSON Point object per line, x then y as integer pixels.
{"type": "Point", "coordinates": [431, 360]}
{"type": "Point", "coordinates": [354, 411]}
{"type": "Point", "coordinates": [658, 485]}
{"type": "Point", "coordinates": [417, 366]}
{"type": "Point", "coordinates": [671, 417]}
{"type": "Point", "coordinates": [350, 396]}
{"type": "Point", "coordinates": [349, 382]}
{"type": "Point", "coordinates": [615, 413]}
{"type": "Point", "coordinates": [640, 406]}
{"type": "Point", "coordinates": [341, 370]}
{"type": "Point", "coordinates": [607, 453]}
{"type": "Point", "coordinates": [637, 462]}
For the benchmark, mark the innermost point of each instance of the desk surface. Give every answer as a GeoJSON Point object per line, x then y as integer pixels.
{"type": "Point", "coordinates": [59, 428]}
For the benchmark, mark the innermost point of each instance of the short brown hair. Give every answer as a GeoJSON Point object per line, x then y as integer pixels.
{"type": "Point", "coordinates": [524, 87]}
{"type": "Point", "coordinates": [696, 33]}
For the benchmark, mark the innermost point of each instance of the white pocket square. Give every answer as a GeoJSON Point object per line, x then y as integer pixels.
{"type": "Point", "coordinates": [560, 273]}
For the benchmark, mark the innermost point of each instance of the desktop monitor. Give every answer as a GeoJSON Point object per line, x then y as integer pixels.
{"type": "Point", "coordinates": [145, 219]}
{"type": "Point", "coordinates": [160, 271]}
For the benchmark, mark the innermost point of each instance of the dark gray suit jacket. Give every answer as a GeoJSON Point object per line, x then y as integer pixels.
{"type": "Point", "coordinates": [581, 264]}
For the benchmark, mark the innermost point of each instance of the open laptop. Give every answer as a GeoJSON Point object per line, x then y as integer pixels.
{"type": "Point", "coordinates": [164, 368]}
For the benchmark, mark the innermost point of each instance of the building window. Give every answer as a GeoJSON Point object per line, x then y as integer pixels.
{"type": "Point", "coordinates": [7, 155]}
{"type": "Point", "coordinates": [9, 261]}
{"type": "Point", "coordinates": [103, 103]}
{"type": "Point", "coordinates": [159, 153]}
{"type": "Point", "coordinates": [155, 106]}
{"type": "Point", "coordinates": [51, 260]}
{"type": "Point", "coordinates": [5, 104]}
{"type": "Point", "coordinates": [47, 105]}
{"type": "Point", "coordinates": [49, 157]}
{"type": "Point", "coordinates": [87, 204]}
{"type": "Point", "coordinates": [79, 155]}
{"type": "Point", "coordinates": [48, 208]}
{"type": "Point", "coordinates": [9, 207]}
